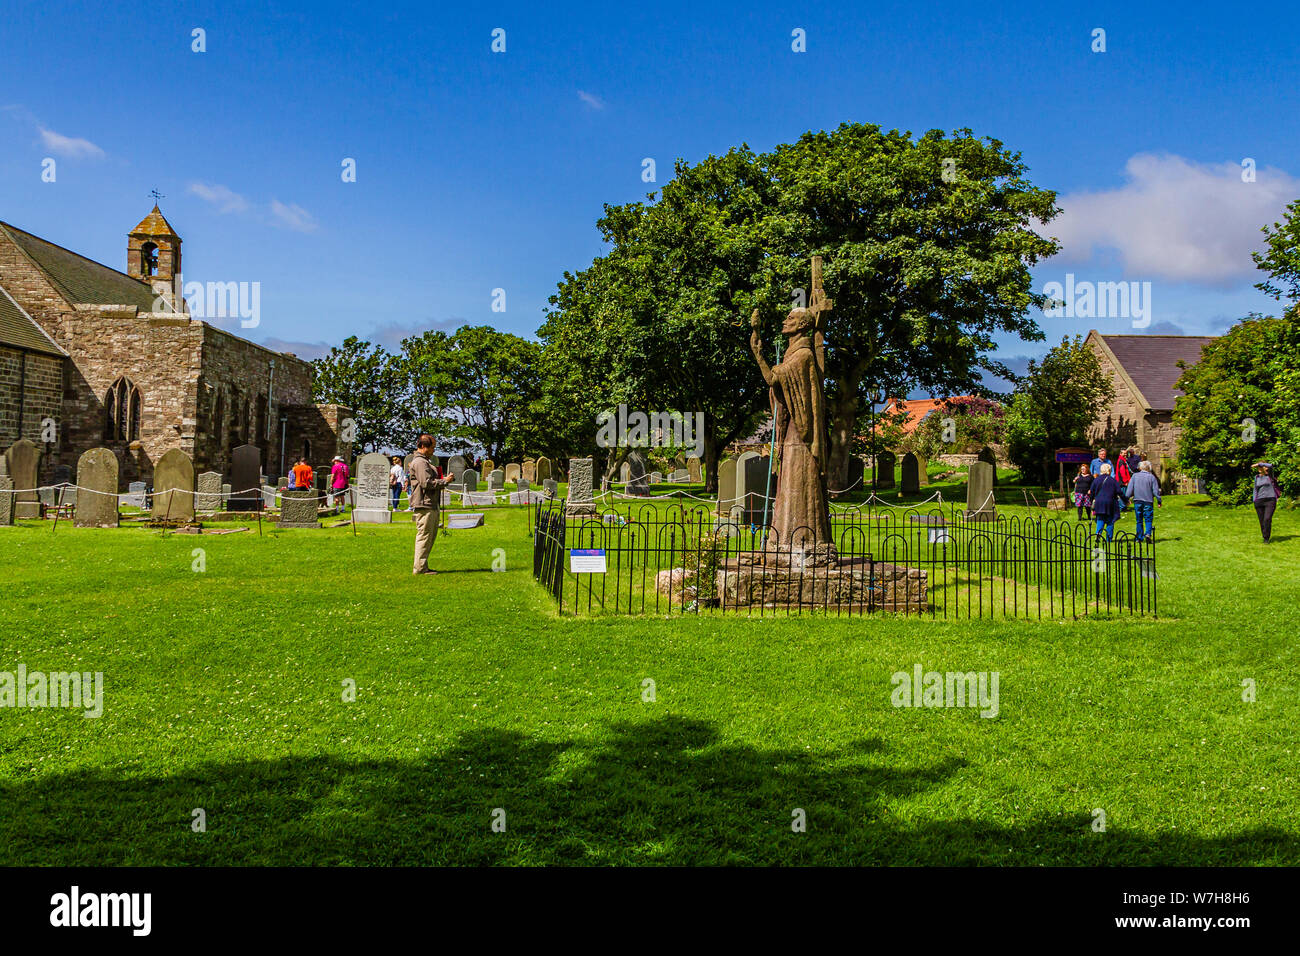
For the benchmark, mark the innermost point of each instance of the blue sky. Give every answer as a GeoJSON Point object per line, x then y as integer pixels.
{"type": "Point", "coordinates": [478, 171]}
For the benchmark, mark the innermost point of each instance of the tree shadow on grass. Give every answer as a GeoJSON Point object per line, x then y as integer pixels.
{"type": "Point", "coordinates": [665, 791]}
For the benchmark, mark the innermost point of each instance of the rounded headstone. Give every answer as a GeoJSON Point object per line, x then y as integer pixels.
{"type": "Point", "coordinates": [97, 478]}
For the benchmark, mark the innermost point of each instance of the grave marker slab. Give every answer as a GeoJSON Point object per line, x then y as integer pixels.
{"type": "Point", "coordinates": [512, 472]}
{"type": "Point", "coordinates": [23, 458]}
{"type": "Point", "coordinates": [581, 471]}
{"type": "Point", "coordinates": [979, 493]}
{"type": "Point", "coordinates": [136, 492]}
{"type": "Point", "coordinates": [496, 479]}
{"type": "Point", "coordinates": [97, 474]}
{"type": "Point", "coordinates": [298, 509]}
{"type": "Point", "coordinates": [209, 491]}
{"type": "Point", "coordinates": [637, 481]}
{"type": "Point", "coordinates": [372, 491]}
{"type": "Point", "coordinates": [173, 487]}
{"type": "Point", "coordinates": [245, 479]}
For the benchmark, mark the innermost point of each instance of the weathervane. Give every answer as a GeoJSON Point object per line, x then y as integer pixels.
{"type": "Point", "coordinates": [156, 196]}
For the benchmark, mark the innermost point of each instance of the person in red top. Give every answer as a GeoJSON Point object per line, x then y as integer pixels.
{"type": "Point", "coordinates": [1123, 475]}
{"type": "Point", "coordinates": [302, 475]}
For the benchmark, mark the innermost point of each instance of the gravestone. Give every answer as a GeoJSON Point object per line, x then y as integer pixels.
{"type": "Point", "coordinates": [525, 497]}
{"type": "Point", "coordinates": [543, 470]}
{"type": "Point", "coordinates": [637, 482]}
{"type": "Point", "coordinates": [209, 491]}
{"type": "Point", "coordinates": [136, 492]}
{"type": "Point", "coordinates": [23, 458]}
{"type": "Point", "coordinates": [695, 470]}
{"type": "Point", "coordinates": [857, 472]}
{"type": "Point", "coordinates": [979, 493]}
{"type": "Point", "coordinates": [522, 485]}
{"type": "Point", "coordinates": [298, 509]}
{"type": "Point", "coordinates": [550, 488]}
{"type": "Point", "coordinates": [63, 476]}
{"type": "Point", "coordinates": [512, 472]}
{"type": "Point", "coordinates": [225, 493]}
{"type": "Point", "coordinates": [624, 471]}
{"type": "Point", "coordinates": [528, 470]}
{"type": "Point", "coordinates": [456, 467]}
{"type": "Point", "coordinates": [911, 482]}
{"type": "Point", "coordinates": [726, 487]}
{"type": "Point", "coordinates": [752, 487]}
{"type": "Point", "coordinates": [279, 483]}
{"type": "Point", "coordinates": [477, 499]}
{"type": "Point", "coordinates": [580, 500]}
{"type": "Point", "coordinates": [656, 477]}
{"type": "Point", "coordinates": [268, 496]}
{"type": "Point", "coordinates": [885, 463]}
{"type": "Point", "coordinates": [173, 486]}
{"type": "Point", "coordinates": [372, 490]}
{"type": "Point", "coordinates": [245, 479]}
{"type": "Point", "coordinates": [488, 466]}
{"type": "Point", "coordinates": [986, 455]}
{"type": "Point", "coordinates": [97, 475]}
{"type": "Point", "coordinates": [6, 494]}
{"type": "Point", "coordinates": [496, 480]}
{"type": "Point", "coordinates": [469, 478]}
{"type": "Point", "coordinates": [922, 471]}
{"type": "Point", "coordinates": [680, 476]}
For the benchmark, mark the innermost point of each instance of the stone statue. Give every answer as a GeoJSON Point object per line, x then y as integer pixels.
{"type": "Point", "coordinates": [800, 515]}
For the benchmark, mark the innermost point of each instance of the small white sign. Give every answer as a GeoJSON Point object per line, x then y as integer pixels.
{"type": "Point", "coordinates": [587, 560]}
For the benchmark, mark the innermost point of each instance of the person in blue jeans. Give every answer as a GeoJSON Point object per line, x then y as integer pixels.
{"type": "Point", "coordinates": [1105, 501]}
{"type": "Point", "coordinates": [1144, 492]}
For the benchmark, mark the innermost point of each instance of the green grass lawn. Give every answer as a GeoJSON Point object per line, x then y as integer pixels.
{"type": "Point", "coordinates": [224, 691]}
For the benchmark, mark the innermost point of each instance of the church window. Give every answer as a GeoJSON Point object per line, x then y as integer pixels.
{"type": "Point", "coordinates": [122, 411]}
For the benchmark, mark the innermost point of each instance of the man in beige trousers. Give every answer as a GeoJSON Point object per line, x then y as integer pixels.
{"type": "Point", "coordinates": [425, 491]}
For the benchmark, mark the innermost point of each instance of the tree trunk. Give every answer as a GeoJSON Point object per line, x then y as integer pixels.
{"type": "Point", "coordinates": [842, 420]}
{"type": "Point", "coordinates": [712, 453]}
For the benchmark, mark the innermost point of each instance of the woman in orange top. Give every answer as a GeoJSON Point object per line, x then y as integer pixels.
{"type": "Point", "coordinates": [302, 474]}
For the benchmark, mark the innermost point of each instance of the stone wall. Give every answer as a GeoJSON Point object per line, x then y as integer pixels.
{"type": "Point", "coordinates": [31, 383]}
{"type": "Point", "coordinates": [1127, 423]}
{"type": "Point", "coordinates": [315, 430]}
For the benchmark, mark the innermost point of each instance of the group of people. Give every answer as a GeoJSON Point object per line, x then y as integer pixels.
{"type": "Point", "coordinates": [302, 475]}
{"type": "Point", "coordinates": [1105, 488]}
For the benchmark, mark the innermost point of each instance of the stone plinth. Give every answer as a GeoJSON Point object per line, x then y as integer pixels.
{"type": "Point", "coordinates": [298, 509]}
{"type": "Point", "coordinates": [852, 585]}
{"type": "Point", "coordinates": [581, 501]}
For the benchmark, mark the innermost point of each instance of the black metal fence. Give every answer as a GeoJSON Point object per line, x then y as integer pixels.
{"type": "Point", "coordinates": [917, 561]}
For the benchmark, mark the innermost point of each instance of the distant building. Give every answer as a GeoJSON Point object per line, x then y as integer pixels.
{"type": "Point", "coordinates": [115, 359]}
{"type": "Point", "coordinates": [1145, 370]}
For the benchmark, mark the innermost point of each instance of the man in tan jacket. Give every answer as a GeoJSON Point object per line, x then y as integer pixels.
{"type": "Point", "coordinates": [425, 491]}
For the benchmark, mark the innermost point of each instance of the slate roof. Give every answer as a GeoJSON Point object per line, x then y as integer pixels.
{"type": "Point", "coordinates": [81, 280]}
{"type": "Point", "coordinates": [19, 330]}
{"type": "Point", "coordinates": [1151, 361]}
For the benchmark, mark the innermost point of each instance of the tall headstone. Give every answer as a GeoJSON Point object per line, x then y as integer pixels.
{"type": "Point", "coordinates": [6, 494]}
{"type": "Point", "coordinates": [979, 492]}
{"type": "Point", "coordinates": [726, 487]}
{"type": "Point", "coordinates": [512, 472]}
{"type": "Point", "coordinates": [581, 500]}
{"type": "Point", "coordinates": [528, 470]}
{"type": "Point", "coordinates": [372, 490]}
{"type": "Point", "coordinates": [911, 482]}
{"type": "Point", "coordinates": [23, 458]}
{"type": "Point", "coordinates": [298, 509]}
{"type": "Point", "coordinates": [543, 470]}
{"type": "Point", "coordinates": [209, 491]}
{"type": "Point", "coordinates": [885, 464]}
{"type": "Point", "coordinates": [469, 478]}
{"type": "Point", "coordinates": [637, 482]}
{"type": "Point", "coordinates": [986, 455]}
{"type": "Point", "coordinates": [624, 472]}
{"type": "Point", "coordinates": [857, 472]}
{"type": "Point", "coordinates": [456, 467]}
{"type": "Point", "coordinates": [97, 476]}
{"type": "Point", "coordinates": [173, 486]}
{"type": "Point", "coordinates": [922, 471]}
{"type": "Point", "coordinates": [752, 489]}
{"type": "Point", "coordinates": [695, 470]}
{"type": "Point", "coordinates": [488, 466]}
{"type": "Point", "coordinates": [496, 479]}
{"type": "Point", "coordinates": [245, 479]}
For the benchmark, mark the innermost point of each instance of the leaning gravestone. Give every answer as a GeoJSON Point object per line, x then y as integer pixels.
{"type": "Point", "coordinates": [752, 487]}
{"type": "Point", "coordinates": [6, 494]}
{"type": "Point", "coordinates": [986, 455]}
{"type": "Point", "coordinates": [885, 464]}
{"type": "Point", "coordinates": [694, 470]}
{"type": "Point", "coordinates": [136, 492]}
{"type": "Point", "coordinates": [580, 501]}
{"type": "Point", "coordinates": [726, 487]}
{"type": "Point", "coordinates": [528, 470]}
{"type": "Point", "coordinates": [173, 486]}
{"type": "Point", "coordinates": [97, 476]}
{"type": "Point", "coordinates": [469, 478]}
{"type": "Point", "coordinates": [496, 479]}
{"type": "Point", "coordinates": [637, 482]}
{"type": "Point", "coordinates": [979, 493]}
{"type": "Point", "coordinates": [512, 472]}
{"type": "Point", "coordinates": [209, 491]}
{"type": "Point", "coordinates": [456, 467]}
{"type": "Point", "coordinates": [245, 479]}
{"type": "Point", "coordinates": [298, 509]}
{"type": "Point", "coordinates": [371, 506]}
{"type": "Point", "coordinates": [23, 457]}
{"type": "Point", "coordinates": [911, 483]}
{"type": "Point", "coordinates": [542, 470]}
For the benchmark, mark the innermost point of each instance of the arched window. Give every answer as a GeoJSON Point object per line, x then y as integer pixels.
{"type": "Point", "coordinates": [122, 411]}
{"type": "Point", "coordinates": [149, 259]}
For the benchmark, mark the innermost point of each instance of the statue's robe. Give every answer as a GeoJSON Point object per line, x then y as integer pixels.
{"type": "Point", "coordinates": [801, 516]}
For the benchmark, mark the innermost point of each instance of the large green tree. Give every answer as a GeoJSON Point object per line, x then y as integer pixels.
{"type": "Point", "coordinates": [1281, 257]}
{"type": "Point", "coordinates": [368, 380]}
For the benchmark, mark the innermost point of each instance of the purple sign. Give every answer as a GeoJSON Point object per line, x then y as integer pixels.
{"type": "Point", "coordinates": [1067, 456]}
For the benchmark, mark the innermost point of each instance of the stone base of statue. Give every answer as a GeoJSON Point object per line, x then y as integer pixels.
{"type": "Point", "coordinates": [849, 585]}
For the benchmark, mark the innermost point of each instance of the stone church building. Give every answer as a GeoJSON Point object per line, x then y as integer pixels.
{"type": "Point", "coordinates": [92, 357]}
{"type": "Point", "coordinates": [1144, 370]}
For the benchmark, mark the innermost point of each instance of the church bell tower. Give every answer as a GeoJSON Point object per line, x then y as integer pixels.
{"type": "Point", "coordinates": [153, 253]}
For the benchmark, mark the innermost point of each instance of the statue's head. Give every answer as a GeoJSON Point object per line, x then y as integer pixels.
{"type": "Point", "coordinates": [799, 320]}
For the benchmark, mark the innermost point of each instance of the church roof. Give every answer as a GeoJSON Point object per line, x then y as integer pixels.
{"type": "Point", "coordinates": [19, 330]}
{"type": "Point", "coordinates": [1151, 362]}
{"type": "Point", "coordinates": [81, 280]}
{"type": "Point", "coordinates": [155, 225]}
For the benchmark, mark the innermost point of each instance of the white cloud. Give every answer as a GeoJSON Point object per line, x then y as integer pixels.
{"type": "Point", "coordinates": [595, 102]}
{"type": "Point", "coordinates": [292, 216]}
{"type": "Point", "coordinates": [223, 197]}
{"type": "Point", "coordinates": [1177, 219]}
{"type": "Point", "coordinates": [69, 147]}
